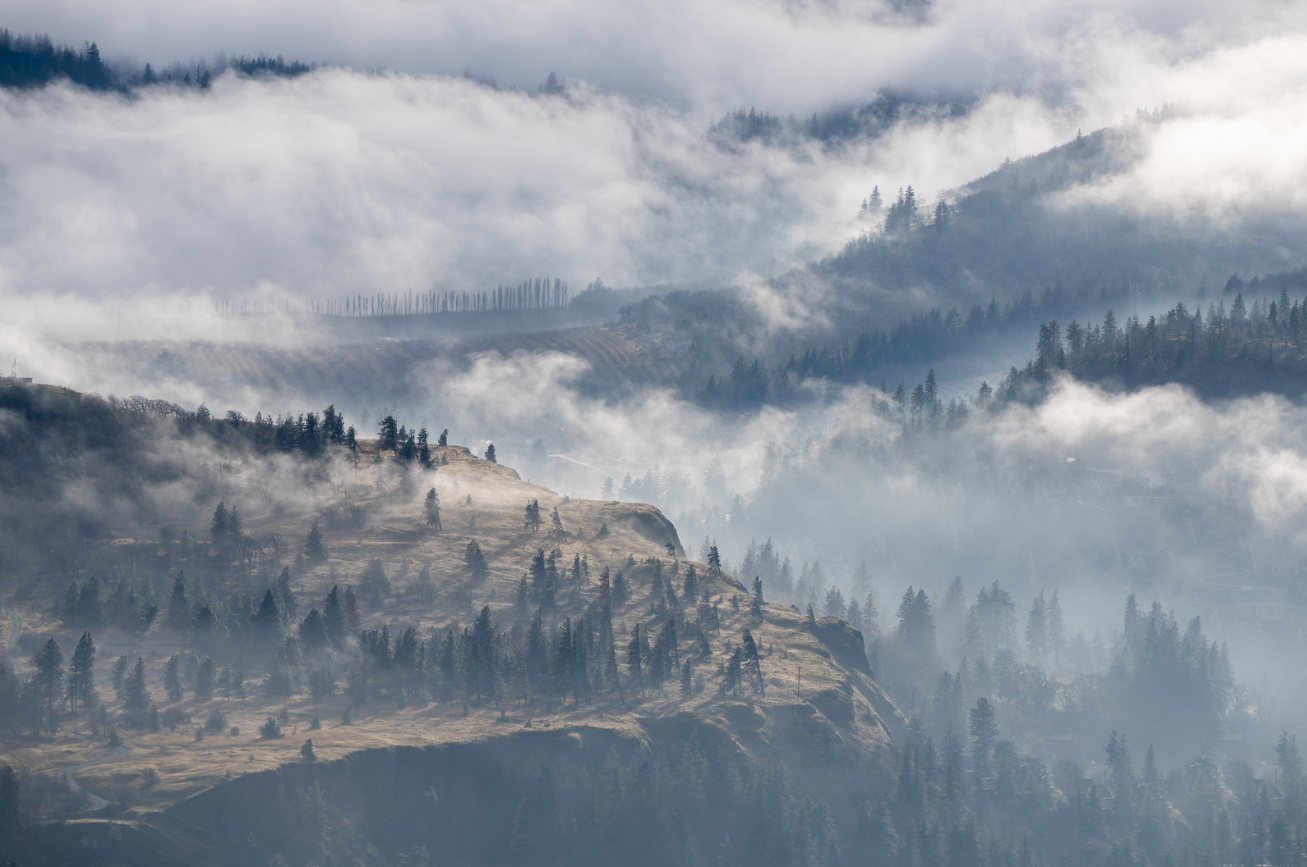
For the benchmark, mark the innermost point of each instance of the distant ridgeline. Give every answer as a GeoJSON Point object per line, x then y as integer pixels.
{"type": "Point", "coordinates": [540, 293]}
{"type": "Point", "coordinates": [921, 339]}
{"type": "Point", "coordinates": [35, 61]}
{"type": "Point", "coordinates": [837, 126]}
{"type": "Point", "coordinates": [1245, 349]}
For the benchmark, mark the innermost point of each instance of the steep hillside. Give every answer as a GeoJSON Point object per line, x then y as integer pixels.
{"type": "Point", "coordinates": [204, 782]}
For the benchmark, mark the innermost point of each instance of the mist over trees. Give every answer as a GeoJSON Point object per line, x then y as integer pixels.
{"type": "Point", "coordinates": [35, 61]}
{"type": "Point", "coordinates": [1243, 351]}
{"type": "Point", "coordinates": [955, 603]}
{"type": "Point", "coordinates": [838, 127]}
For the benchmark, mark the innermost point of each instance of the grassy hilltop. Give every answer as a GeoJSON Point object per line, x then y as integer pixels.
{"type": "Point", "coordinates": [817, 713]}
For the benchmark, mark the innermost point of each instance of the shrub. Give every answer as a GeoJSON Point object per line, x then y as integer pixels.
{"type": "Point", "coordinates": [173, 717]}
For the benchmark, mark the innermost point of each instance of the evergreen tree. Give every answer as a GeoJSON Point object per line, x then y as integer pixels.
{"type": "Point", "coordinates": [984, 733]}
{"type": "Point", "coordinates": [690, 588]}
{"type": "Point", "coordinates": [871, 616]}
{"type": "Point", "coordinates": [611, 674]}
{"type": "Point", "coordinates": [81, 675]}
{"type": "Point", "coordinates": [854, 615]}
{"type": "Point", "coordinates": [136, 694]}
{"type": "Point", "coordinates": [659, 663]}
{"type": "Point", "coordinates": [172, 679]}
{"type": "Point", "coordinates": [218, 531]}
{"type": "Point", "coordinates": [481, 666]}
{"type": "Point", "coordinates": [235, 530]}
{"type": "Point", "coordinates": [835, 604]}
{"type": "Point", "coordinates": [424, 449]}
{"type": "Point", "coordinates": [532, 520]}
{"type": "Point", "coordinates": [11, 803]}
{"type": "Point", "coordinates": [432, 509]}
{"type": "Point", "coordinates": [267, 620]}
{"type": "Point", "coordinates": [1292, 779]}
{"type": "Point", "coordinates": [1037, 628]}
{"type": "Point", "coordinates": [477, 568]}
{"type": "Point", "coordinates": [914, 636]}
{"type": "Point", "coordinates": [89, 607]}
{"type": "Point", "coordinates": [117, 674]}
{"type": "Point", "coordinates": [490, 453]}
{"type": "Point", "coordinates": [179, 603]}
{"type": "Point", "coordinates": [1055, 629]}
{"type": "Point", "coordinates": [634, 663]}
{"type": "Point", "coordinates": [1121, 776]}
{"type": "Point", "coordinates": [49, 665]}
{"type": "Point", "coordinates": [313, 631]}
{"type": "Point", "coordinates": [352, 615]}
{"type": "Point", "coordinates": [537, 657]}
{"type": "Point", "coordinates": [388, 435]}
{"type": "Point", "coordinates": [752, 664]}
{"type": "Point", "coordinates": [333, 425]}
{"type": "Point", "coordinates": [334, 616]}
{"type": "Point", "coordinates": [875, 836]}
{"type": "Point", "coordinates": [733, 672]}
{"type": "Point", "coordinates": [314, 548]}
{"type": "Point", "coordinates": [204, 679]}
{"type": "Point", "coordinates": [286, 596]}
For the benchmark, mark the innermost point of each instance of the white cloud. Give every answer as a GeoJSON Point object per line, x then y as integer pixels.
{"type": "Point", "coordinates": [344, 182]}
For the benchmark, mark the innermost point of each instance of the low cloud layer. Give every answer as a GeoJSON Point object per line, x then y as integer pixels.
{"type": "Point", "coordinates": [345, 182]}
{"type": "Point", "coordinates": [342, 182]}
{"type": "Point", "coordinates": [1245, 459]}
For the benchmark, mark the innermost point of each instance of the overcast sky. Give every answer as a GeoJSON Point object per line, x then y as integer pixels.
{"type": "Point", "coordinates": [349, 181]}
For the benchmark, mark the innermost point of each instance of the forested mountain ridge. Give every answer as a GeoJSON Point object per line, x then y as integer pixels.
{"type": "Point", "coordinates": [372, 594]}
{"type": "Point", "coordinates": [34, 61]}
{"type": "Point", "coordinates": [1240, 352]}
{"type": "Point", "coordinates": [837, 127]}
